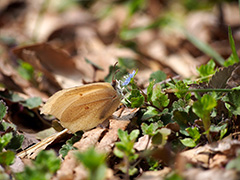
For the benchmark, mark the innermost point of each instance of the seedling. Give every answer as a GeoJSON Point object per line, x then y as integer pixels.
{"type": "Point", "coordinates": [94, 162]}
{"type": "Point", "coordinates": [124, 149]}
{"type": "Point", "coordinates": [43, 168]}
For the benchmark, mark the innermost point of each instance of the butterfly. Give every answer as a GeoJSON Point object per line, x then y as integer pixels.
{"type": "Point", "coordinates": [83, 107]}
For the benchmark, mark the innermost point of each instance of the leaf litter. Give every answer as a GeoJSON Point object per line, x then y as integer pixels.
{"type": "Point", "coordinates": [177, 146]}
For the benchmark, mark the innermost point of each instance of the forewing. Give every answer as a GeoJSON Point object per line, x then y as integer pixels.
{"type": "Point", "coordinates": [84, 117]}
{"type": "Point", "coordinates": [61, 100]}
{"type": "Point", "coordinates": [84, 107]}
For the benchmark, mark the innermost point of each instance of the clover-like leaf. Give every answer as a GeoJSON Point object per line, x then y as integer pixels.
{"type": "Point", "coordinates": [232, 102]}
{"type": "Point", "coordinates": [159, 99]}
{"type": "Point", "coordinates": [158, 76]}
{"type": "Point", "coordinates": [3, 109]}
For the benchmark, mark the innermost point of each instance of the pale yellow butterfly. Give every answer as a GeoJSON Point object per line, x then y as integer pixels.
{"type": "Point", "coordinates": [83, 107]}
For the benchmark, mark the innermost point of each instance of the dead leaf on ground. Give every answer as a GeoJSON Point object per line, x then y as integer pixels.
{"type": "Point", "coordinates": [102, 139]}
{"type": "Point", "coordinates": [211, 174]}
{"type": "Point", "coordinates": [33, 151]}
{"type": "Point", "coordinates": [215, 155]}
{"type": "Point", "coordinates": [51, 61]}
{"type": "Point", "coordinates": [155, 175]}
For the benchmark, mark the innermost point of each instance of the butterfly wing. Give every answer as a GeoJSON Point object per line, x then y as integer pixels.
{"type": "Point", "coordinates": [84, 107]}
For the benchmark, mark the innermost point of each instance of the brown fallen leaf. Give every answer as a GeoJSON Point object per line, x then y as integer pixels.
{"type": "Point", "coordinates": [107, 142]}
{"type": "Point", "coordinates": [224, 77]}
{"type": "Point", "coordinates": [211, 174]}
{"type": "Point", "coordinates": [218, 161]}
{"type": "Point", "coordinates": [155, 175]}
{"type": "Point", "coordinates": [33, 151]}
{"type": "Point", "coordinates": [56, 64]}
{"type": "Point", "coordinates": [197, 156]}
{"type": "Point", "coordinates": [71, 168]}
{"type": "Point", "coordinates": [102, 139]}
{"type": "Point", "coordinates": [15, 82]}
{"type": "Point", "coordinates": [215, 155]}
{"type": "Point", "coordinates": [11, 11]}
{"type": "Point", "coordinates": [143, 143]}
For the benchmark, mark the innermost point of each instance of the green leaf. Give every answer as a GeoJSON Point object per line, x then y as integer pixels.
{"type": "Point", "coordinates": [194, 133]}
{"type": "Point", "coordinates": [150, 90]}
{"type": "Point", "coordinates": [232, 44]}
{"type": "Point", "coordinates": [15, 97]}
{"type": "Point", "coordinates": [217, 128]}
{"type": "Point", "coordinates": [149, 129]}
{"type": "Point", "coordinates": [94, 162]}
{"type": "Point", "coordinates": [223, 132]}
{"type": "Point", "coordinates": [188, 142]}
{"type": "Point", "coordinates": [4, 140]}
{"type": "Point", "coordinates": [7, 158]}
{"type": "Point", "coordinates": [157, 138]}
{"type": "Point", "coordinates": [127, 62]}
{"type": "Point", "coordinates": [16, 142]}
{"type": "Point", "coordinates": [4, 175]}
{"type": "Point", "coordinates": [161, 136]}
{"type": "Point", "coordinates": [159, 99]}
{"type": "Point", "coordinates": [137, 101]}
{"type": "Point", "coordinates": [121, 71]}
{"type": "Point", "coordinates": [206, 70]}
{"type": "Point", "coordinates": [32, 173]}
{"type": "Point", "coordinates": [132, 171]}
{"type": "Point", "coordinates": [158, 76]}
{"type": "Point", "coordinates": [180, 105]}
{"type": "Point", "coordinates": [3, 109]}
{"type": "Point", "coordinates": [123, 135]}
{"type": "Point", "coordinates": [69, 143]}
{"type": "Point", "coordinates": [203, 106]}
{"type": "Point", "coordinates": [47, 160]}
{"type": "Point", "coordinates": [174, 176]}
{"type": "Point", "coordinates": [150, 113]}
{"type": "Point", "coordinates": [234, 163]}
{"type": "Point", "coordinates": [5, 125]}
{"type": "Point", "coordinates": [33, 102]}
{"type": "Point", "coordinates": [93, 64]}
{"type": "Point", "coordinates": [43, 168]}
{"type": "Point", "coordinates": [130, 33]}
{"type": "Point", "coordinates": [204, 48]}
{"type": "Point", "coordinates": [134, 6]}
{"type": "Point", "coordinates": [118, 153]}
{"type": "Point", "coordinates": [181, 89]}
{"type": "Point", "coordinates": [25, 70]}
{"type": "Point", "coordinates": [181, 118]}
{"type": "Point", "coordinates": [232, 102]}
{"type": "Point", "coordinates": [134, 134]}
{"type": "Point", "coordinates": [165, 133]}
{"type": "Point", "coordinates": [65, 149]}
{"type": "Point", "coordinates": [136, 98]}
{"type": "Point", "coordinates": [91, 159]}
{"type": "Point", "coordinates": [125, 146]}
{"type": "Point", "coordinates": [230, 61]}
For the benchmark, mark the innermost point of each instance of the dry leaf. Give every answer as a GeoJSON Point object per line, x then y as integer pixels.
{"type": "Point", "coordinates": [33, 151]}
{"type": "Point", "coordinates": [221, 77]}
{"type": "Point", "coordinates": [155, 175]}
{"type": "Point", "coordinates": [212, 174]}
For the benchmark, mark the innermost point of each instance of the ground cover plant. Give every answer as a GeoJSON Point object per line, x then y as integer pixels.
{"type": "Point", "coordinates": [178, 81]}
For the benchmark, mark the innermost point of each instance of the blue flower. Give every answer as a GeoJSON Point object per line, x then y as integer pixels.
{"type": "Point", "coordinates": [129, 77]}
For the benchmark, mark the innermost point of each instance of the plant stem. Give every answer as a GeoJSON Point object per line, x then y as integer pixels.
{"type": "Point", "coordinates": [198, 90]}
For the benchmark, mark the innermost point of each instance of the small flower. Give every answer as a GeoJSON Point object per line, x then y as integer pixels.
{"type": "Point", "coordinates": [128, 78]}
